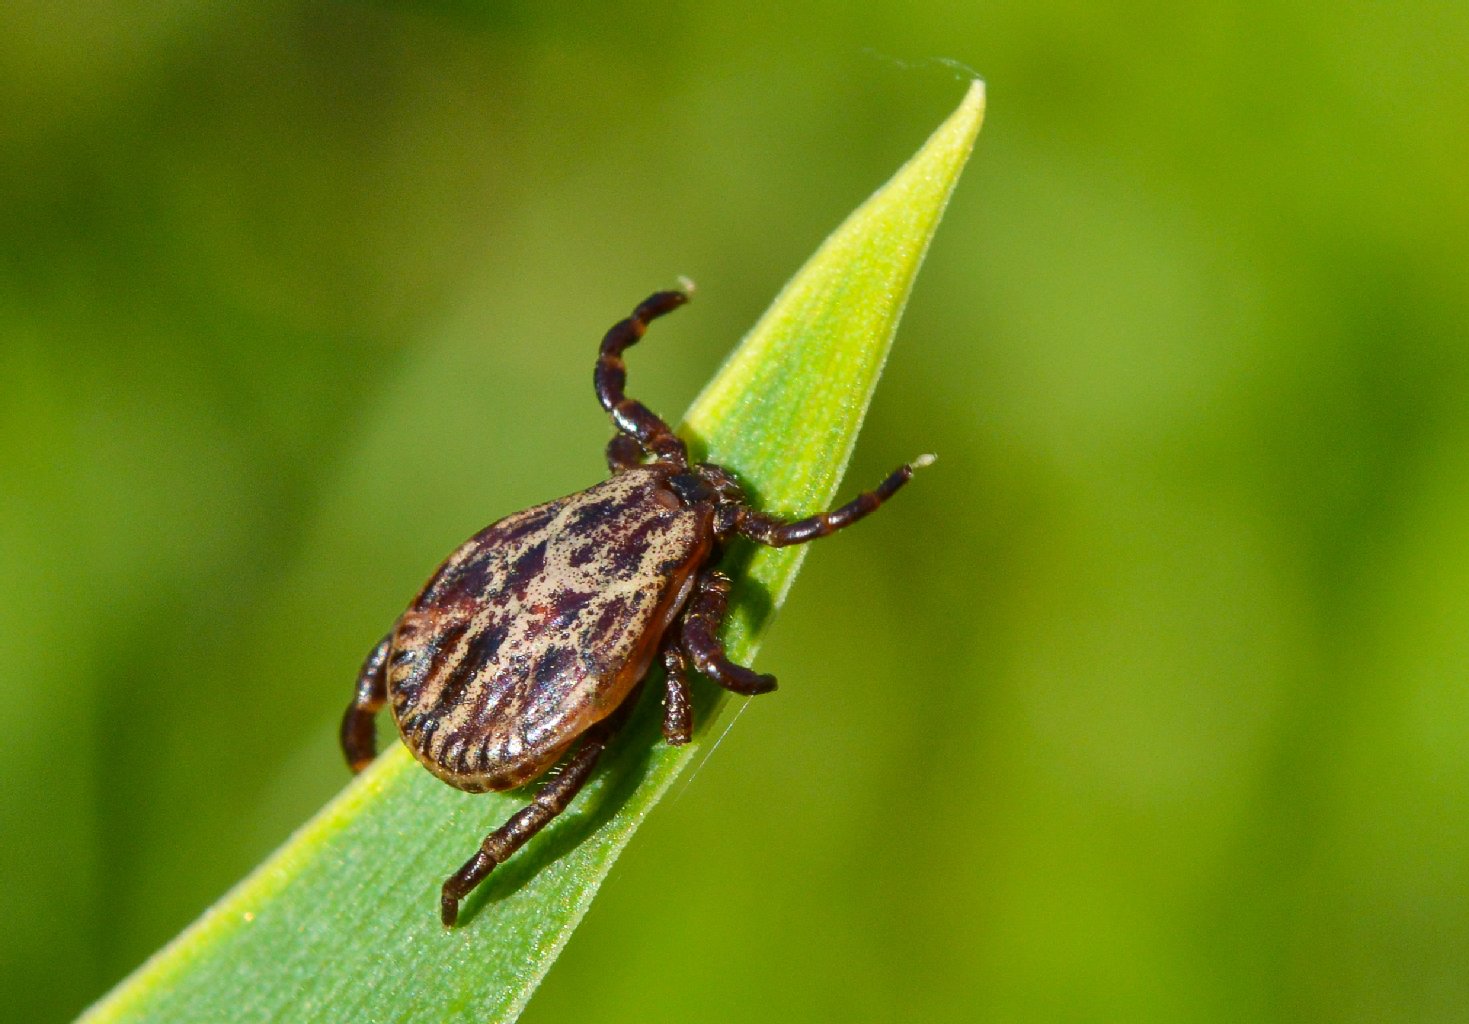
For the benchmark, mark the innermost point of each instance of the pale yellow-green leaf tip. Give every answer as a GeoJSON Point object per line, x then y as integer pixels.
{"type": "Point", "coordinates": [841, 308]}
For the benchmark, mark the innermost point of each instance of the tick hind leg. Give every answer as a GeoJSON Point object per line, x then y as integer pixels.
{"type": "Point", "coordinates": [629, 415]}
{"type": "Point", "coordinates": [700, 632]}
{"type": "Point", "coordinates": [678, 706]}
{"type": "Point", "coordinates": [549, 801]}
{"type": "Point", "coordinates": [777, 533]}
{"type": "Point", "coordinates": [359, 733]}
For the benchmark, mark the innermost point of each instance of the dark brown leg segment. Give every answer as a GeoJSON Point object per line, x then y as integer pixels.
{"type": "Point", "coordinates": [550, 800]}
{"type": "Point", "coordinates": [629, 415]}
{"type": "Point", "coordinates": [701, 638]}
{"type": "Point", "coordinates": [778, 533]}
{"type": "Point", "coordinates": [359, 734]}
{"type": "Point", "coordinates": [623, 453]}
{"type": "Point", "coordinates": [678, 708]}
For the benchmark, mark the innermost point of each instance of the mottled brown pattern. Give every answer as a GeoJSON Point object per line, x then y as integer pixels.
{"type": "Point", "coordinates": [539, 626]}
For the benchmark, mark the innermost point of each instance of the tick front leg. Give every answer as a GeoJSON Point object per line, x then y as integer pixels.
{"type": "Point", "coordinates": [700, 630]}
{"type": "Point", "coordinates": [550, 800]}
{"type": "Point", "coordinates": [629, 415]}
{"type": "Point", "coordinates": [359, 734]}
{"type": "Point", "coordinates": [678, 708]}
{"type": "Point", "coordinates": [777, 533]}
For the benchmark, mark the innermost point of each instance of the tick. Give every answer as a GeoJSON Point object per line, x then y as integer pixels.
{"type": "Point", "coordinates": [529, 644]}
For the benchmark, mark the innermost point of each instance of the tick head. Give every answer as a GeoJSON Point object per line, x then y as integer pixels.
{"type": "Point", "coordinates": [716, 488]}
{"type": "Point", "coordinates": [707, 484]}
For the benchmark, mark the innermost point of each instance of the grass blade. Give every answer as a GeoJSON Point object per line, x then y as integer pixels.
{"type": "Point", "coordinates": [341, 922]}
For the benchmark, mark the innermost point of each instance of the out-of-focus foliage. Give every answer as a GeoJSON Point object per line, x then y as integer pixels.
{"type": "Point", "coordinates": [1149, 703]}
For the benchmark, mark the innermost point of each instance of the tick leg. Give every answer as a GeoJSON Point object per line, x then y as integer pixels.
{"type": "Point", "coordinates": [678, 709]}
{"type": "Point", "coordinates": [359, 734]}
{"type": "Point", "coordinates": [700, 632]}
{"type": "Point", "coordinates": [550, 800]}
{"type": "Point", "coordinates": [629, 415]}
{"type": "Point", "coordinates": [777, 533]}
{"type": "Point", "coordinates": [623, 453]}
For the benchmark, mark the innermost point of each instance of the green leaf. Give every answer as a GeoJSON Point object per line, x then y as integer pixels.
{"type": "Point", "coordinates": [341, 923]}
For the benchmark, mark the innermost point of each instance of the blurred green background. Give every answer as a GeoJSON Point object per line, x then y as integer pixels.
{"type": "Point", "coordinates": [1147, 703]}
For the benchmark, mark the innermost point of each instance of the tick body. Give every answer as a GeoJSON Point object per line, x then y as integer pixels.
{"type": "Point", "coordinates": [527, 647]}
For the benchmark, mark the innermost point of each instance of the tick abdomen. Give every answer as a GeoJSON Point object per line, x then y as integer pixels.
{"type": "Point", "coordinates": [539, 626]}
